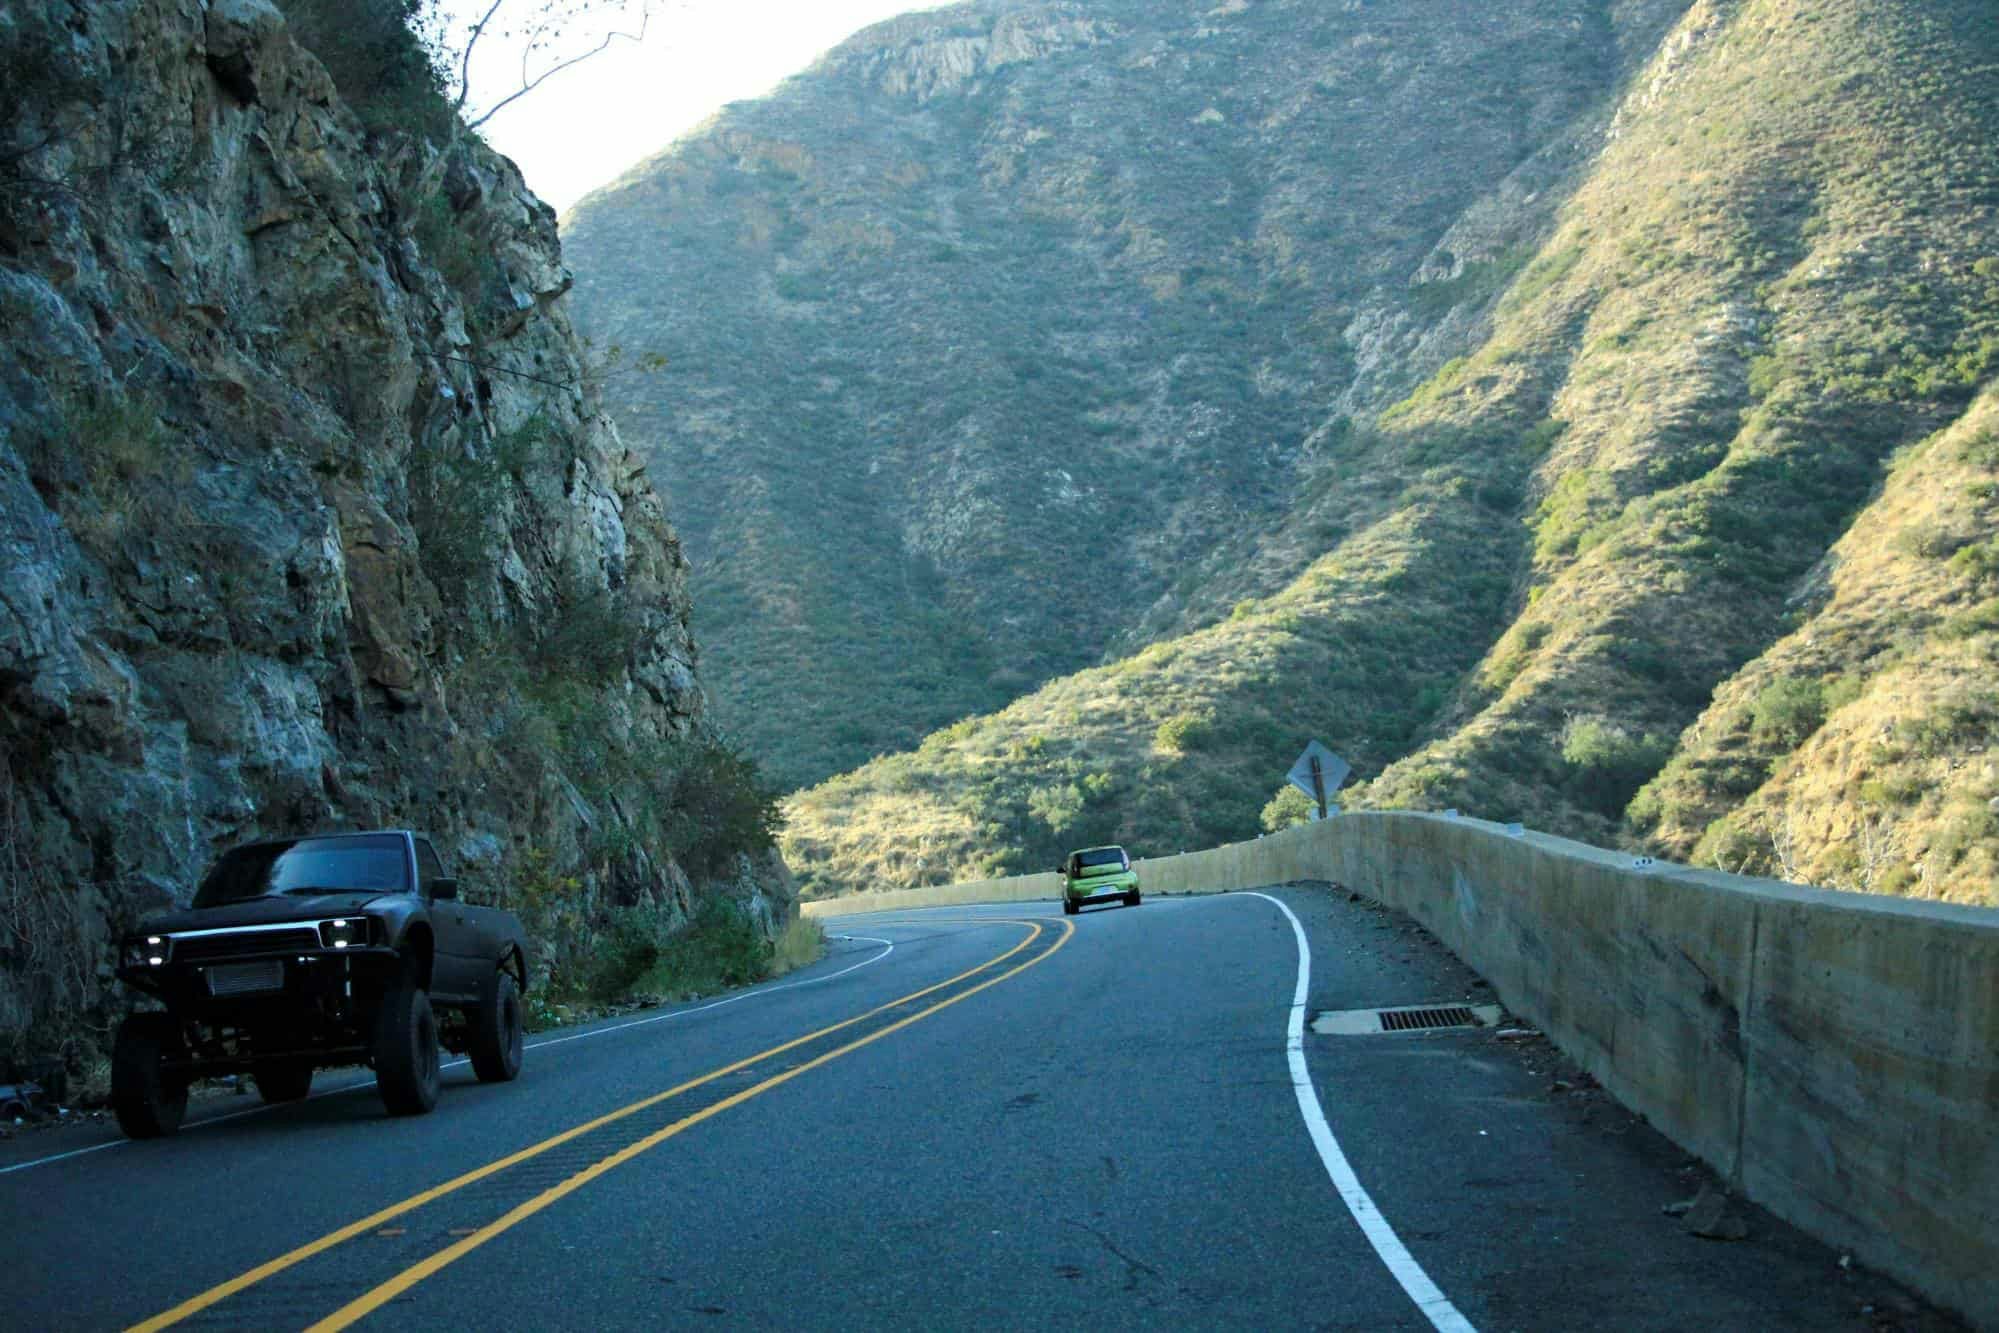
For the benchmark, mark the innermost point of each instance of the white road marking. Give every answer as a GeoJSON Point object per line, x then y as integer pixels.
{"type": "Point", "coordinates": [888, 947]}
{"type": "Point", "coordinates": [1401, 1264]}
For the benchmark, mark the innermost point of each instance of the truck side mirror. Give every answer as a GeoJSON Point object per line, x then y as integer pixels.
{"type": "Point", "coordinates": [444, 886]}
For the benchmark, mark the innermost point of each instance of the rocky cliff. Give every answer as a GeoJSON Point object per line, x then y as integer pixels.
{"type": "Point", "coordinates": [310, 510]}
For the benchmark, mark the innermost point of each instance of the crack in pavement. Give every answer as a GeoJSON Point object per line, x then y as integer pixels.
{"type": "Point", "coordinates": [1132, 1267]}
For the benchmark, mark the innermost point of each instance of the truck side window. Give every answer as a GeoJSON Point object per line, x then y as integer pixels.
{"type": "Point", "coordinates": [428, 867]}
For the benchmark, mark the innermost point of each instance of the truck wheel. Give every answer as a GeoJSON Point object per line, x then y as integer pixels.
{"type": "Point", "coordinates": [148, 1101]}
{"type": "Point", "coordinates": [496, 1029]}
{"type": "Point", "coordinates": [283, 1080]}
{"type": "Point", "coordinates": [406, 1049]}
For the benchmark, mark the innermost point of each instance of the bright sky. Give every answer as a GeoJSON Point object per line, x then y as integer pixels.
{"type": "Point", "coordinates": [587, 124]}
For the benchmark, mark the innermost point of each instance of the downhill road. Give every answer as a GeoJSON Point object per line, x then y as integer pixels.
{"type": "Point", "coordinates": [965, 1117]}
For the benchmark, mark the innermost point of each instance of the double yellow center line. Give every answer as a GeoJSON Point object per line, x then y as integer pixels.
{"type": "Point", "coordinates": [386, 1291]}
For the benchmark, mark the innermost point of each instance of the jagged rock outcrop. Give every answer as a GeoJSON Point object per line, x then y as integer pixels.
{"type": "Point", "coordinates": [309, 510]}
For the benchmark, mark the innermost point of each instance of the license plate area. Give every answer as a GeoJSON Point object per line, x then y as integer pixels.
{"type": "Point", "coordinates": [265, 974]}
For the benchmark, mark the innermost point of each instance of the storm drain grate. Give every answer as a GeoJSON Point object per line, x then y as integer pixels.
{"type": "Point", "coordinates": [1408, 1020]}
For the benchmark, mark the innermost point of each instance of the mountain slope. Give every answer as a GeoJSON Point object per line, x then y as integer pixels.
{"type": "Point", "coordinates": [984, 336]}
{"type": "Point", "coordinates": [1621, 514]}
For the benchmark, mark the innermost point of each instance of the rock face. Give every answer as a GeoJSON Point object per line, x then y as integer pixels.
{"type": "Point", "coordinates": [307, 501]}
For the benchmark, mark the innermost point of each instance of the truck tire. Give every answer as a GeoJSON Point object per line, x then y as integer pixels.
{"type": "Point", "coordinates": [283, 1080]}
{"type": "Point", "coordinates": [406, 1049]}
{"type": "Point", "coordinates": [497, 1028]}
{"type": "Point", "coordinates": [147, 1101]}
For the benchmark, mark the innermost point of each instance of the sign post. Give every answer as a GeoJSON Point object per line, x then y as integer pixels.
{"type": "Point", "coordinates": [1318, 773]}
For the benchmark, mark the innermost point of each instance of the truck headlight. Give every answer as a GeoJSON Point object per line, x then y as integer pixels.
{"type": "Point", "coordinates": [145, 950]}
{"type": "Point", "coordinates": [347, 932]}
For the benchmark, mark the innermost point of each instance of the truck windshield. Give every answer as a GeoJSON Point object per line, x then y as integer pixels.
{"type": "Point", "coordinates": [372, 863]}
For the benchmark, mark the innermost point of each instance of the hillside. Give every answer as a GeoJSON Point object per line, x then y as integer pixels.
{"type": "Point", "coordinates": [1003, 292]}
{"type": "Point", "coordinates": [312, 515]}
{"type": "Point", "coordinates": [1626, 473]}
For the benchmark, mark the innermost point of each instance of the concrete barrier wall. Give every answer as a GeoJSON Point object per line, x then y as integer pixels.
{"type": "Point", "coordinates": [1835, 1056]}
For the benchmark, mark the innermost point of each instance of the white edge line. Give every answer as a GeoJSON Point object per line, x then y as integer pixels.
{"type": "Point", "coordinates": [1429, 1298]}
{"type": "Point", "coordinates": [888, 948]}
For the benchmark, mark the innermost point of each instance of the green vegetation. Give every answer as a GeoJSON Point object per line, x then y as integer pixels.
{"type": "Point", "coordinates": [647, 951]}
{"type": "Point", "coordinates": [1607, 764]}
{"type": "Point", "coordinates": [1787, 712]}
{"type": "Point", "coordinates": [381, 68]}
{"type": "Point", "coordinates": [1289, 806]}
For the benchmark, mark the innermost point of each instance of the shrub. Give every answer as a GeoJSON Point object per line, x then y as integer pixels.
{"type": "Point", "coordinates": [1289, 806]}
{"type": "Point", "coordinates": [1965, 830]}
{"type": "Point", "coordinates": [446, 239]}
{"type": "Point", "coordinates": [1978, 562]}
{"type": "Point", "coordinates": [1980, 619]}
{"type": "Point", "coordinates": [1536, 443]}
{"type": "Point", "coordinates": [1929, 541]}
{"type": "Point", "coordinates": [1787, 711]}
{"type": "Point", "coordinates": [1962, 721]}
{"type": "Point", "coordinates": [458, 498]}
{"type": "Point", "coordinates": [719, 804]}
{"type": "Point", "coordinates": [1607, 765]}
{"type": "Point", "coordinates": [1839, 691]}
{"type": "Point", "coordinates": [378, 63]}
{"type": "Point", "coordinates": [589, 638]}
{"type": "Point", "coordinates": [1764, 374]}
{"type": "Point", "coordinates": [1059, 807]}
{"type": "Point", "coordinates": [645, 951]}
{"type": "Point", "coordinates": [1183, 732]}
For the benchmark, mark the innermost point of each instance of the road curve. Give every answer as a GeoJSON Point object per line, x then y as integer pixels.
{"type": "Point", "coordinates": [1006, 1119]}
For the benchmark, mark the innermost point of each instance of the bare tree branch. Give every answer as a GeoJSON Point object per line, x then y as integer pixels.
{"type": "Point", "coordinates": [465, 57]}
{"type": "Point", "coordinates": [528, 85]}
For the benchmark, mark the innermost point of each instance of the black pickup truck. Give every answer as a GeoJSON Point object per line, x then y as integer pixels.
{"type": "Point", "coordinates": [304, 953]}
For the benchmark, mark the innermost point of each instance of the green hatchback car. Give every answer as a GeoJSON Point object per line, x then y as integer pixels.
{"type": "Point", "coordinates": [1097, 875]}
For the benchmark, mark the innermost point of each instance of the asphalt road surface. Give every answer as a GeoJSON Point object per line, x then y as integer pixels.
{"type": "Point", "coordinates": [961, 1118]}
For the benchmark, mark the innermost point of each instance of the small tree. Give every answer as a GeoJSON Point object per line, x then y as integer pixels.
{"type": "Point", "coordinates": [1289, 806]}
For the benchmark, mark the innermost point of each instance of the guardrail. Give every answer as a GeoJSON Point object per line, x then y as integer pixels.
{"type": "Point", "coordinates": [1835, 1056]}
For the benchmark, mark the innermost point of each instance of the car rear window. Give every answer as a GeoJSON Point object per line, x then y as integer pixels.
{"type": "Point", "coordinates": [1103, 856]}
{"type": "Point", "coordinates": [370, 862]}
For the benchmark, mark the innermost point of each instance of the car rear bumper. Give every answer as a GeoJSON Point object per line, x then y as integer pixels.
{"type": "Point", "coordinates": [1103, 893]}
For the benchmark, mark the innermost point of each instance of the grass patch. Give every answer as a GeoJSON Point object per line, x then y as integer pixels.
{"type": "Point", "coordinates": [801, 943]}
